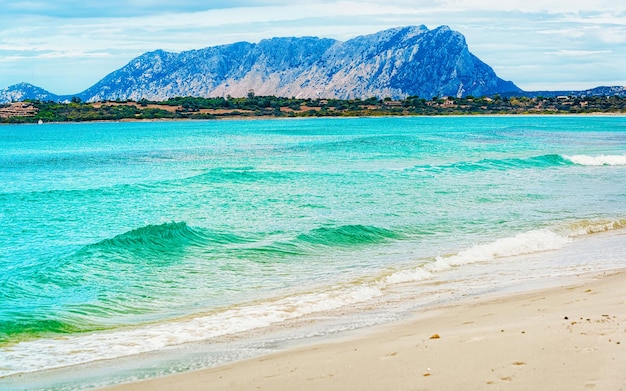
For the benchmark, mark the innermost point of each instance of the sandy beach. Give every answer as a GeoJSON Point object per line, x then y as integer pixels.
{"type": "Point", "coordinates": [568, 338]}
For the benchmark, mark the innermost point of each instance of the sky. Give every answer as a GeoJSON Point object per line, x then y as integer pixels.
{"type": "Point", "coordinates": [66, 46]}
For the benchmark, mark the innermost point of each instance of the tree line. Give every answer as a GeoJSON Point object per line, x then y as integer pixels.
{"type": "Point", "coordinates": [281, 107]}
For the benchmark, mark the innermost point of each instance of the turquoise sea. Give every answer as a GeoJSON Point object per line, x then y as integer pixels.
{"type": "Point", "coordinates": [170, 246]}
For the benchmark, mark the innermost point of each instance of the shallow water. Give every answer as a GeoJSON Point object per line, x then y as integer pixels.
{"type": "Point", "coordinates": [142, 238]}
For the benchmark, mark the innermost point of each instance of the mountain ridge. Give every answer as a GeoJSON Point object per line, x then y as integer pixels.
{"type": "Point", "coordinates": [395, 63]}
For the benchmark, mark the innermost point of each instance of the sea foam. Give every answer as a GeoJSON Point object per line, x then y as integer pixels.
{"type": "Point", "coordinates": [530, 242]}
{"type": "Point", "coordinates": [520, 244]}
{"type": "Point", "coordinates": [600, 160]}
{"type": "Point", "coordinates": [30, 356]}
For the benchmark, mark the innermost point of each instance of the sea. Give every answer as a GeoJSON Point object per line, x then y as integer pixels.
{"type": "Point", "coordinates": [130, 250]}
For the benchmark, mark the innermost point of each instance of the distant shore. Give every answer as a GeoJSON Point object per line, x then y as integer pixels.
{"type": "Point", "coordinates": [570, 338]}
{"type": "Point", "coordinates": [267, 118]}
{"type": "Point", "coordinates": [264, 107]}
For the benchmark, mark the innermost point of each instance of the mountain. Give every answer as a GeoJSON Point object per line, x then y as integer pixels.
{"type": "Point", "coordinates": [393, 63]}
{"type": "Point", "coordinates": [22, 91]}
{"type": "Point", "coordinates": [396, 63]}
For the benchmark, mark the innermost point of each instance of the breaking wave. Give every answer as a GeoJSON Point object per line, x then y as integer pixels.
{"type": "Point", "coordinates": [600, 160]}
{"type": "Point", "coordinates": [530, 242]}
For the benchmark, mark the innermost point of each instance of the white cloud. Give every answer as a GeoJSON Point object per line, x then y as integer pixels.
{"type": "Point", "coordinates": [537, 6]}
{"type": "Point", "coordinates": [580, 53]}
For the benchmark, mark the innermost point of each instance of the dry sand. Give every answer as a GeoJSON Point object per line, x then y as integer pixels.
{"type": "Point", "coordinates": [567, 338]}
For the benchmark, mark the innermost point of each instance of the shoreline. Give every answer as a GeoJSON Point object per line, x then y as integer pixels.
{"type": "Point", "coordinates": [273, 117]}
{"type": "Point", "coordinates": [569, 337]}
{"type": "Point", "coordinates": [258, 118]}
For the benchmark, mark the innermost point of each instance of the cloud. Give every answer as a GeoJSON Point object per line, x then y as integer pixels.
{"type": "Point", "coordinates": [581, 53]}
{"type": "Point", "coordinates": [537, 6]}
{"type": "Point", "coordinates": [120, 8]}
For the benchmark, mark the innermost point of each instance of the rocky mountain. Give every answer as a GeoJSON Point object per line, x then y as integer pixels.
{"type": "Point", "coordinates": [23, 91]}
{"type": "Point", "coordinates": [396, 63]}
{"type": "Point", "coordinates": [393, 63]}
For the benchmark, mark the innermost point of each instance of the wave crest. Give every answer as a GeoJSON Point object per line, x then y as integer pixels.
{"type": "Point", "coordinates": [520, 244]}
{"type": "Point", "coordinates": [348, 235]}
{"type": "Point", "coordinates": [600, 160]}
{"type": "Point", "coordinates": [323, 238]}
{"type": "Point", "coordinates": [541, 161]}
{"type": "Point", "coordinates": [156, 235]}
{"type": "Point", "coordinates": [588, 227]}
{"type": "Point", "coordinates": [530, 242]}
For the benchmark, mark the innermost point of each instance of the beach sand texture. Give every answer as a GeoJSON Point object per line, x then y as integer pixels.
{"type": "Point", "coordinates": [567, 338]}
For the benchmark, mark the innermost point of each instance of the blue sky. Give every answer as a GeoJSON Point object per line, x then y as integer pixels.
{"type": "Point", "coordinates": [65, 46]}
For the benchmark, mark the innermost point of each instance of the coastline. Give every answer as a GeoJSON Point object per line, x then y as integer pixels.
{"type": "Point", "coordinates": [274, 118]}
{"type": "Point", "coordinates": [263, 107]}
{"type": "Point", "coordinates": [569, 337]}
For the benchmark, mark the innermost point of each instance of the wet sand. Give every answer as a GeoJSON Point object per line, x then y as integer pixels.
{"type": "Point", "coordinates": [568, 338]}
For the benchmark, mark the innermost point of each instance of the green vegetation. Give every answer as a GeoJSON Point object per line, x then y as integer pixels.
{"type": "Point", "coordinates": [271, 106]}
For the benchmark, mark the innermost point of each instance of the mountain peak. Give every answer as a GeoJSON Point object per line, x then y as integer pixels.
{"type": "Point", "coordinates": [398, 62]}
{"type": "Point", "coordinates": [23, 91]}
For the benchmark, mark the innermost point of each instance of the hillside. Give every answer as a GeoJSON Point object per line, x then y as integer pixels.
{"type": "Point", "coordinates": [395, 63]}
